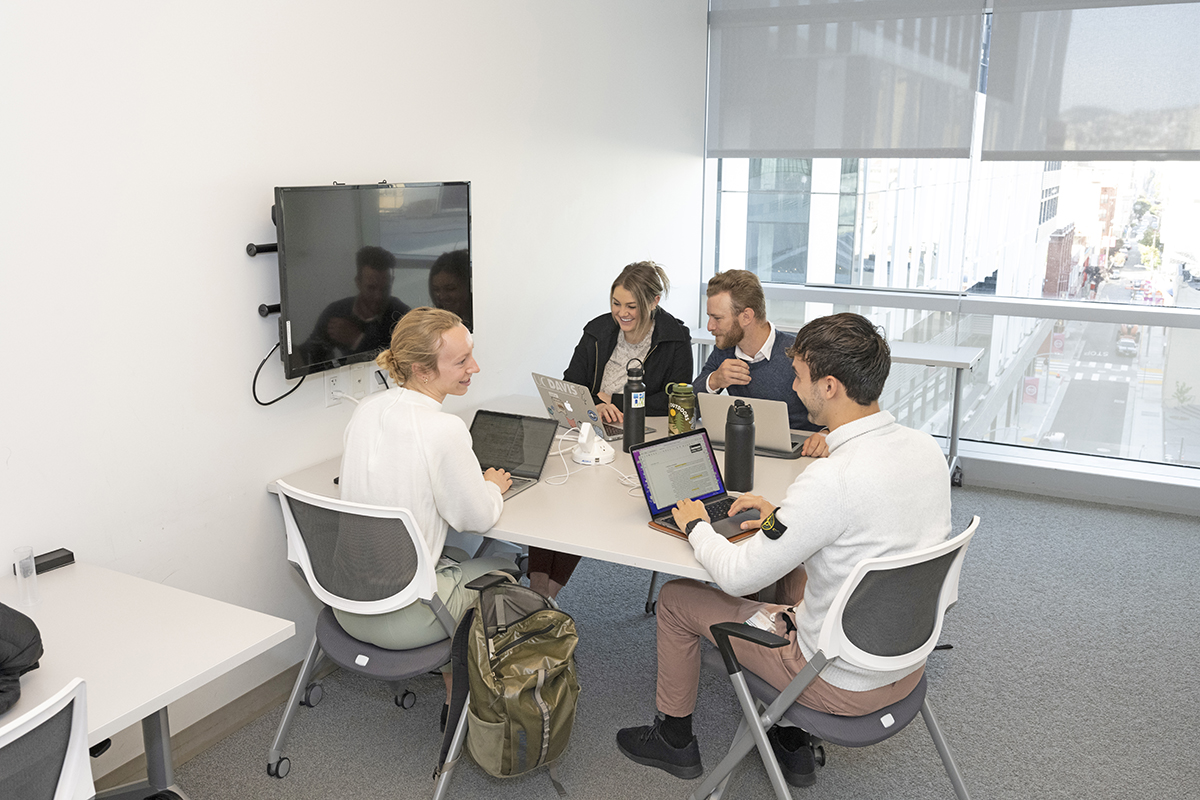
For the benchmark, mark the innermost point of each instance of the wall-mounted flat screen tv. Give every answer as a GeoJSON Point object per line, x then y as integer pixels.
{"type": "Point", "coordinates": [354, 259]}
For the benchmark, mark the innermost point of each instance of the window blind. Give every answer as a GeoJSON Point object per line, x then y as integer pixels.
{"type": "Point", "coordinates": [1093, 80]}
{"type": "Point", "coordinates": [842, 78]}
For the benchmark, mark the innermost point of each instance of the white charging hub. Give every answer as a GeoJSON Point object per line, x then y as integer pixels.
{"type": "Point", "coordinates": [591, 448]}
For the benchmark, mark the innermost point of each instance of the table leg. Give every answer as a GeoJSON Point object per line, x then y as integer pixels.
{"type": "Point", "coordinates": [955, 469]}
{"type": "Point", "coordinates": [160, 782]}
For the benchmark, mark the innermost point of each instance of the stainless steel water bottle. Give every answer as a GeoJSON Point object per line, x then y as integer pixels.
{"type": "Point", "coordinates": [739, 447]}
{"type": "Point", "coordinates": [635, 405]}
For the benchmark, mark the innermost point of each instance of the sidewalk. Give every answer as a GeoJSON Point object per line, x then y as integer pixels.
{"type": "Point", "coordinates": [1036, 420]}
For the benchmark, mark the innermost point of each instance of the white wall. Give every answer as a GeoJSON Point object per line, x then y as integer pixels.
{"type": "Point", "coordinates": [142, 142]}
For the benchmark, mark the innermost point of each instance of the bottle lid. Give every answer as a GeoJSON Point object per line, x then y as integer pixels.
{"type": "Point", "coordinates": [741, 411]}
{"type": "Point", "coordinates": [633, 371]}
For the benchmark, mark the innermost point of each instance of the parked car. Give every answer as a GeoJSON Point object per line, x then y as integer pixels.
{"type": "Point", "coordinates": [1127, 346]}
{"type": "Point", "coordinates": [1056, 440]}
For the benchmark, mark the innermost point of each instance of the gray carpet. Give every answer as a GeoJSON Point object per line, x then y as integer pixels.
{"type": "Point", "coordinates": [1073, 674]}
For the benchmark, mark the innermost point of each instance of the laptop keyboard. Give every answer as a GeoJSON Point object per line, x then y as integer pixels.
{"type": "Point", "coordinates": [720, 509]}
{"type": "Point", "coordinates": [517, 483]}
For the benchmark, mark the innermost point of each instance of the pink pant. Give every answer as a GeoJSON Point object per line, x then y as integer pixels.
{"type": "Point", "coordinates": [686, 609]}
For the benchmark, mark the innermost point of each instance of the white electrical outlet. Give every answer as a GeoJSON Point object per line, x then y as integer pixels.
{"type": "Point", "coordinates": [335, 386]}
{"type": "Point", "coordinates": [359, 375]}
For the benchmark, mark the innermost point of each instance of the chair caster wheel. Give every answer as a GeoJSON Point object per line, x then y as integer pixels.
{"type": "Point", "coordinates": [280, 768]}
{"type": "Point", "coordinates": [164, 795]}
{"type": "Point", "coordinates": [312, 695]}
{"type": "Point", "coordinates": [956, 477]}
{"type": "Point", "coordinates": [819, 755]}
{"type": "Point", "coordinates": [652, 607]}
{"type": "Point", "coordinates": [523, 564]}
{"type": "Point", "coordinates": [406, 700]}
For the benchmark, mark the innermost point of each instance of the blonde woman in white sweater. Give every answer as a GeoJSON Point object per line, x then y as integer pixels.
{"type": "Point", "coordinates": [401, 449]}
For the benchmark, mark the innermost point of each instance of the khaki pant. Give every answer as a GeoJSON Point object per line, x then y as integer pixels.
{"type": "Point", "coordinates": [686, 609]}
{"type": "Point", "coordinates": [416, 625]}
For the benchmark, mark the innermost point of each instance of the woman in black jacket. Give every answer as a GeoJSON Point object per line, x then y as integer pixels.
{"type": "Point", "coordinates": [635, 327]}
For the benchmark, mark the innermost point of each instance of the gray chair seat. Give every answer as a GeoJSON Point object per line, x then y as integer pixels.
{"type": "Point", "coordinates": [845, 731]}
{"type": "Point", "coordinates": [344, 650]}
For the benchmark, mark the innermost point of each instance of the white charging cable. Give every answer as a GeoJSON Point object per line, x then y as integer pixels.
{"type": "Point", "coordinates": [572, 435]}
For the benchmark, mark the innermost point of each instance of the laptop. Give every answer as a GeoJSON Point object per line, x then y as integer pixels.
{"type": "Point", "coordinates": [571, 403]}
{"type": "Point", "coordinates": [684, 467]}
{"type": "Point", "coordinates": [772, 436]}
{"type": "Point", "coordinates": [519, 445]}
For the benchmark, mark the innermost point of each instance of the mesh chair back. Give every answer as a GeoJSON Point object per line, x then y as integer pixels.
{"type": "Point", "coordinates": [30, 766]}
{"type": "Point", "coordinates": [355, 557]}
{"type": "Point", "coordinates": [43, 753]}
{"type": "Point", "coordinates": [894, 611]}
{"type": "Point", "coordinates": [888, 613]}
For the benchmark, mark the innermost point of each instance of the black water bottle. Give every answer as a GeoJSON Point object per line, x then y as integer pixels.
{"type": "Point", "coordinates": [739, 447]}
{"type": "Point", "coordinates": [635, 404]}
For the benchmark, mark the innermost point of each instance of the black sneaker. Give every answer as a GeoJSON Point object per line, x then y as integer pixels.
{"type": "Point", "coordinates": [646, 745]}
{"type": "Point", "coordinates": [799, 766]}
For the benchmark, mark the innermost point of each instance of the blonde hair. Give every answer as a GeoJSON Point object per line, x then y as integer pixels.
{"type": "Point", "coordinates": [416, 339]}
{"type": "Point", "coordinates": [645, 280]}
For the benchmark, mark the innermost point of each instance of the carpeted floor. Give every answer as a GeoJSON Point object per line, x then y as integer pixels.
{"type": "Point", "coordinates": [1073, 674]}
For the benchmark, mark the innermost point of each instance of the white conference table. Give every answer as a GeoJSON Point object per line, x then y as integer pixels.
{"type": "Point", "coordinates": [592, 514]}
{"type": "Point", "coordinates": [139, 646]}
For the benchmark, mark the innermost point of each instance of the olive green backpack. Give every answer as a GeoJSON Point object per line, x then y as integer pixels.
{"type": "Point", "coordinates": [516, 649]}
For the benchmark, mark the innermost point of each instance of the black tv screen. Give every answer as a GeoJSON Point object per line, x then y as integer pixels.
{"type": "Point", "coordinates": [354, 259]}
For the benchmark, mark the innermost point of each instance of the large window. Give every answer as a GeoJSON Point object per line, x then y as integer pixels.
{"type": "Point", "coordinates": [1026, 181]}
{"type": "Point", "coordinates": [1077, 235]}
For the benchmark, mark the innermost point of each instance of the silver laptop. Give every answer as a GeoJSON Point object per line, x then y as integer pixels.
{"type": "Point", "coordinates": [772, 436]}
{"type": "Point", "coordinates": [683, 467]}
{"type": "Point", "coordinates": [519, 445]}
{"type": "Point", "coordinates": [572, 404]}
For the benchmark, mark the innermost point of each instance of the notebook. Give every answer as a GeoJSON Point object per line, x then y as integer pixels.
{"type": "Point", "coordinates": [772, 436]}
{"type": "Point", "coordinates": [511, 442]}
{"type": "Point", "coordinates": [684, 467]}
{"type": "Point", "coordinates": [571, 404]}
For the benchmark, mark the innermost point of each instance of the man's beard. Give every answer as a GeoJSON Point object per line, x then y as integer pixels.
{"type": "Point", "coordinates": [731, 339]}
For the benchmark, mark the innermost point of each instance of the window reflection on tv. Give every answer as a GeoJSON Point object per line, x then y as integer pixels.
{"type": "Point", "coordinates": [354, 259]}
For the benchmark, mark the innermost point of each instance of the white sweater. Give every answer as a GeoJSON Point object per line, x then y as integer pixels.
{"type": "Point", "coordinates": [402, 450]}
{"type": "Point", "coordinates": [884, 490]}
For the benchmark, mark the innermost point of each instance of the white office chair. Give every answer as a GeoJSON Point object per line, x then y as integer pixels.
{"type": "Point", "coordinates": [366, 560]}
{"type": "Point", "coordinates": [44, 752]}
{"type": "Point", "coordinates": [886, 616]}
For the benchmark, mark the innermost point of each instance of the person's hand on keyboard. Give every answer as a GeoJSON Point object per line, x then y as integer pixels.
{"type": "Point", "coordinates": [608, 412]}
{"type": "Point", "coordinates": [498, 477]}
{"type": "Point", "coordinates": [748, 501]}
{"type": "Point", "coordinates": [686, 511]}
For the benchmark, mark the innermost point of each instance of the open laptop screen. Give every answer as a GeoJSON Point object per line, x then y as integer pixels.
{"type": "Point", "coordinates": [512, 442]}
{"type": "Point", "coordinates": [679, 468]}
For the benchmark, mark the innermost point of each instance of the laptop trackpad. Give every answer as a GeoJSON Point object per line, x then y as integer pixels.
{"type": "Point", "coordinates": [732, 526]}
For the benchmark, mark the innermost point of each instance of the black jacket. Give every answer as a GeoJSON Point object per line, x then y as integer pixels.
{"type": "Point", "coordinates": [669, 359]}
{"type": "Point", "coordinates": [20, 649]}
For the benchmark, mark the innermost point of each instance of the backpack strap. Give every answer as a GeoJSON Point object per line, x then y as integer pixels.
{"type": "Point", "coordinates": [558, 787]}
{"type": "Point", "coordinates": [459, 683]}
